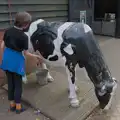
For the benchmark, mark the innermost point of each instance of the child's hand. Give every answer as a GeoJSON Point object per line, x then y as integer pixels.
{"type": "Point", "coordinates": [39, 58]}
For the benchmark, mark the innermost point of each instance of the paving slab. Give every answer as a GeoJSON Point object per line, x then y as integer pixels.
{"type": "Point", "coordinates": [29, 114]}
{"type": "Point", "coordinates": [52, 99]}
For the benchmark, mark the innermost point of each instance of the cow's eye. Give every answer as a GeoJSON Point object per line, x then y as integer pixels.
{"type": "Point", "coordinates": [37, 41]}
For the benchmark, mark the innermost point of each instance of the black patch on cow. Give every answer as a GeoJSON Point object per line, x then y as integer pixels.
{"type": "Point", "coordinates": [83, 44]}
{"type": "Point", "coordinates": [43, 38]}
{"type": "Point", "coordinates": [54, 58]}
{"type": "Point", "coordinates": [51, 27]}
{"type": "Point", "coordinates": [72, 35]}
{"type": "Point", "coordinates": [43, 42]}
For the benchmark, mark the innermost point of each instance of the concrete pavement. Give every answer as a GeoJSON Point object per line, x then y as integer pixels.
{"type": "Point", "coordinates": [29, 114]}
{"type": "Point", "coordinates": [112, 114]}
{"type": "Point", "coordinates": [52, 99]}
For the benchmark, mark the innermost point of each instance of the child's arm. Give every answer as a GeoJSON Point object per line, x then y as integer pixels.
{"type": "Point", "coordinates": [27, 53]}
{"type": "Point", "coordinates": [3, 42]}
{"type": "Point", "coordinates": [2, 45]}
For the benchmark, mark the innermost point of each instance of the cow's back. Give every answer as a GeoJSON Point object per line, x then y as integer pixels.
{"type": "Point", "coordinates": [82, 39]}
{"type": "Point", "coordinates": [51, 27]}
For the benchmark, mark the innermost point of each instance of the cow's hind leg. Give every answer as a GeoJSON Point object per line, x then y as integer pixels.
{"type": "Point", "coordinates": [49, 77]}
{"type": "Point", "coordinates": [70, 69]}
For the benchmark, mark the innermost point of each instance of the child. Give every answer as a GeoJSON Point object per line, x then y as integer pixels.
{"type": "Point", "coordinates": [15, 43]}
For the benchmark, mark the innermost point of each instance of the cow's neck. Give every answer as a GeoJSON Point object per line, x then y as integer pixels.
{"type": "Point", "coordinates": [59, 40]}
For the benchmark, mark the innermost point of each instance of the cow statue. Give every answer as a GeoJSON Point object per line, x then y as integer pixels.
{"type": "Point", "coordinates": [76, 43]}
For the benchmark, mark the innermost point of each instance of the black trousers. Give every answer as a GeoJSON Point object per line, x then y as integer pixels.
{"type": "Point", "coordinates": [14, 86]}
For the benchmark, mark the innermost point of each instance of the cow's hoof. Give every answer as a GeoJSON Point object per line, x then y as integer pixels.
{"type": "Point", "coordinates": [74, 103]}
{"type": "Point", "coordinates": [50, 79]}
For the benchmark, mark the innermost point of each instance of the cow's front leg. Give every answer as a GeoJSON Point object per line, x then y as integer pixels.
{"type": "Point", "coordinates": [49, 77]}
{"type": "Point", "coordinates": [70, 69]}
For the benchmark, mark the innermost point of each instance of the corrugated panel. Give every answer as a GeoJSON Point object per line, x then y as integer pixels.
{"type": "Point", "coordinates": [5, 17]}
{"type": "Point", "coordinates": [51, 10]}
{"type": "Point", "coordinates": [23, 2]}
{"type": "Point", "coordinates": [4, 25]}
{"type": "Point", "coordinates": [35, 8]}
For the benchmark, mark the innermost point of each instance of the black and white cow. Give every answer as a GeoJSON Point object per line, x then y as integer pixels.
{"type": "Point", "coordinates": [76, 43]}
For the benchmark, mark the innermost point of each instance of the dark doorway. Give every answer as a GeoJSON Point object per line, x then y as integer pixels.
{"type": "Point", "coordinates": [104, 6]}
{"type": "Point", "coordinates": [75, 6]}
{"type": "Point", "coordinates": [105, 15]}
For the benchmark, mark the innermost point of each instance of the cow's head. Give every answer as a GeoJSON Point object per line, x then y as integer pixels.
{"type": "Point", "coordinates": [103, 81]}
{"type": "Point", "coordinates": [42, 40]}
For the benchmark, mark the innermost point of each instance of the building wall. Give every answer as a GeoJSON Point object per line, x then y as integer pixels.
{"type": "Point", "coordinates": [75, 6]}
{"type": "Point", "coordinates": [51, 10]}
{"type": "Point", "coordinates": [118, 20]}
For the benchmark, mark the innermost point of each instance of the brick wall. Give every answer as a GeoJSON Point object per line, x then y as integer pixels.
{"type": "Point", "coordinates": [2, 74]}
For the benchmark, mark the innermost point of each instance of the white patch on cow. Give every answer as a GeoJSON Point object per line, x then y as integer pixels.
{"type": "Point", "coordinates": [58, 41]}
{"type": "Point", "coordinates": [30, 47]}
{"type": "Point", "coordinates": [87, 28]}
{"type": "Point", "coordinates": [33, 26]}
{"type": "Point", "coordinates": [72, 88]}
{"type": "Point", "coordinates": [69, 49]}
